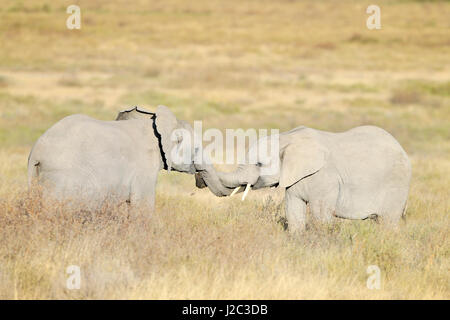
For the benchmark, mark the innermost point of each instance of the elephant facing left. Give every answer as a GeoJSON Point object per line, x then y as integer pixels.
{"type": "Point", "coordinates": [86, 161]}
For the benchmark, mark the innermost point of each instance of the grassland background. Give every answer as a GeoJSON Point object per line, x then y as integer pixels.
{"type": "Point", "coordinates": [258, 64]}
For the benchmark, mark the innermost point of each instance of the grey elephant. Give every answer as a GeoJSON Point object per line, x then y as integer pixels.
{"type": "Point", "coordinates": [358, 174]}
{"type": "Point", "coordinates": [87, 160]}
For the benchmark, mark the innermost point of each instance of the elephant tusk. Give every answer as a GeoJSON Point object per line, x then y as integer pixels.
{"type": "Point", "coordinates": [247, 189]}
{"type": "Point", "coordinates": [235, 190]}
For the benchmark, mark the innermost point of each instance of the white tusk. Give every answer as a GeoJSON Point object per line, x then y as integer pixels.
{"type": "Point", "coordinates": [247, 189]}
{"type": "Point", "coordinates": [235, 190]}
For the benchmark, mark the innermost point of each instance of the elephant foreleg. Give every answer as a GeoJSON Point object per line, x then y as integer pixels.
{"type": "Point", "coordinates": [142, 195]}
{"type": "Point", "coordinates": [295, 212]}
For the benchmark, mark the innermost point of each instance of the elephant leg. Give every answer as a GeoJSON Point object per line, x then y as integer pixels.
{"type": "Point", "coordinates": [142, 195]}
{"type": "Point", "coordinates": [323, 210]}
{"type": "Point", "coordinates": [295, 212]}
{"type": "Point", "coordinates": [323, 192]}
{"type": "Point", "coordinates": [322, 214]}
{"type": "Point", "coordinates": [394, 207]}
{"type": "Point", "coordinates": [387, 207]}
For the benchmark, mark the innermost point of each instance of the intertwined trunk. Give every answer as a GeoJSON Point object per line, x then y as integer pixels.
{"type": "Point", "coordinates": [208, 176]}
{"type": "Point", "coordinates": [223, 183]}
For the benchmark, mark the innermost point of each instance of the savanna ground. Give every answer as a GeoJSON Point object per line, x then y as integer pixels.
{"type": "Point", "coordinates": [249, 64]}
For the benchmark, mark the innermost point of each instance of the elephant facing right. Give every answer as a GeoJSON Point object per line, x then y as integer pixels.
{"type": "Point", "coordinates": [358, 174]}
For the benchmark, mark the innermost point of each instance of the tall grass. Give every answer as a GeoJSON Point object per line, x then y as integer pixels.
{"type": "Point", "coordinates": [210, 252]}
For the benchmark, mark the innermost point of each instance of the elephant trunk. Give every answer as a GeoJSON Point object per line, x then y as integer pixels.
{"type": "Point", "coordinates": [207, 176]}
{"type": "Point", "coordinates": [230, 179]}
{"type": "Point", "coordinates": [227, 183]}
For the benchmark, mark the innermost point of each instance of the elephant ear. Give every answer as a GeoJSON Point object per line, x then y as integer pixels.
{"type": "Point", "coordinates": [165, 123]}
{"type": "Point", "coordinates": [134, 113]}
{"type": "Point", "coordinates": [300, 159]}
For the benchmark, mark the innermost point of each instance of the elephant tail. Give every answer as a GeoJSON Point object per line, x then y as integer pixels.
{"type": "Point", "coordinates": [34, 168]}
{"type": "Point", "coordinates": [404, 211]}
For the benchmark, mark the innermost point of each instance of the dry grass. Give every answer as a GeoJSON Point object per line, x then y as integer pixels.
{"type": "Point", "coordinates": [211, 252]}
{"type": "Point", "coordinates": [259, 64]}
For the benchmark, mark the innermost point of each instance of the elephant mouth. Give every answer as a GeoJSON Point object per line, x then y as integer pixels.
{"type": "Point", "coordinates": [189, 171]}
{"type": "Point", "coordinates": [257, 185]}
{"type": "Point", "coordinates": [246, 190]}
{"type": "Point", "coordinates": [260, 183]}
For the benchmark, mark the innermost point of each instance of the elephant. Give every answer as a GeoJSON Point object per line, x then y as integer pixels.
{"type": "Point", "coordinates": [85, 160]}
{"type": "Point", "coordinates": [357, 174]}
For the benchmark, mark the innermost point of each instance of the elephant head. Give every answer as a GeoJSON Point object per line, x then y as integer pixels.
{"type": "Point", "coordinates": [175, 137]}
{"type": "Point", "coordinates": [299, 154]}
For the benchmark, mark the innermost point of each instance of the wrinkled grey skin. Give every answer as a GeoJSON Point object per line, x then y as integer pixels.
{"type": "Point", "coordinates": [87, 160]}
{"type": "Point", "coordinates": [358, 174]}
